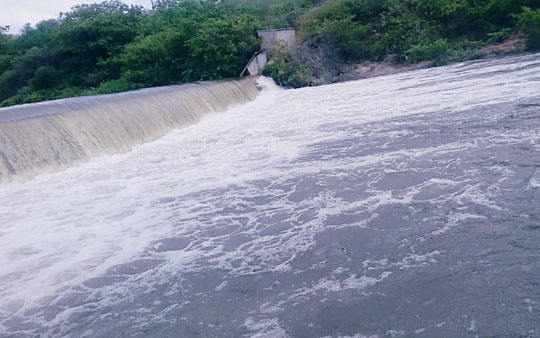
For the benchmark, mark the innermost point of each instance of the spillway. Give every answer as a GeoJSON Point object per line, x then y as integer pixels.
{"type": "Point", "coordinates": [56, 134]}
{"type": "Point", "coordinates": [400, 206]}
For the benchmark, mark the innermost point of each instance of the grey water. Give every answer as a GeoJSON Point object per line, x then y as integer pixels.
{"type": "Point", "coordinates": [399, 206]}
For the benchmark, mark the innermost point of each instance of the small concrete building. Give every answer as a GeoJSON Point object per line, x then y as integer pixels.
{"type": "Point", "coordinates": [271, 38]}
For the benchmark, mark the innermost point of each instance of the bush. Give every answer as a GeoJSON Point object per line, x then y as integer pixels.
{"type": "Point", "coordinates": [45, 77]}
{"type": "Point", "coordinates": [404, 30]}
{"type": "Point", "coordinates": [304, 65]}
{"type": "Point", "coordinates": [345, 25]}
{"type": "Point", "coordinates": [149, 60]}
{"type": "Point", "coordinates": [288, 71]}
{"type": "Point", "coordinates": [35, 96]}
{"type": "Point", "coordinates": [529, 21]}
{"type": "Point", "coordinates": [467, 50]}
{"type": "Point", "coordinates": [438, 51]}
{"type": "Point", "coordinates": [324, 61]}
{"type": "Point", "coordinates": [221, 47]}
{"type": "Point", "coordinates": [109, 87]}
{"type": "Point", "coordinates": [500, 36]}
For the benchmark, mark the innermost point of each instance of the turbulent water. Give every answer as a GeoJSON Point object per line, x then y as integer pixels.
{"type": "Point", "coordinates": [52, 135]}
{"type": "Point", "coordinates": [399, 206]}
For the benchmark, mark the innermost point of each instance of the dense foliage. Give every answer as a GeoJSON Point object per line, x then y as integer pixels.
{"type": "Point", "coordinates": [530, 23]}
{"type": "Point", "coordinates": [409, 31]}
{"type": "Point", "coordinates": [110, 47]}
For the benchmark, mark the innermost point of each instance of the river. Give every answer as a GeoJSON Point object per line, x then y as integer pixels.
{"type": "Point", "coordinates": [399, 206]}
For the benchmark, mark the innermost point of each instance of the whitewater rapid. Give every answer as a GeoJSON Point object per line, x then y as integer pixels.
{"type": "Point", "coordinates": [404, 205]}
{"type": "Point", "coordinates": [54, 135]}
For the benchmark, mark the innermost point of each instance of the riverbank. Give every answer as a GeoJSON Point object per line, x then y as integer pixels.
{"type": "Point", "coordinates": [369, 69]}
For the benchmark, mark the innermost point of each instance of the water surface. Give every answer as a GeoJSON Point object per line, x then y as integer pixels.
{"type": "Point", "coordinates": [398, 206]}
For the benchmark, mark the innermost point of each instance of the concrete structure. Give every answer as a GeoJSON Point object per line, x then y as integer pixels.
{"type": "Point", "coordinates": [271, 38]}
{"type": "Point", "coordinates": [257, 63]}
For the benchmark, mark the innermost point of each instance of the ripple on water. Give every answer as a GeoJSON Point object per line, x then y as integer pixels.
{"type": "Point", "coordinates": [404, 205]}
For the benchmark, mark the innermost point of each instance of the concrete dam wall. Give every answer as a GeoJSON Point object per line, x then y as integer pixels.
{"type": "Point", "coordinates": [52, 135]}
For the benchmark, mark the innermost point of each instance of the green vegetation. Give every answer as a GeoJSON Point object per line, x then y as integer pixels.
{"type": "Point", "coordinates": [530, 23]}
{"type": "Point", "coordinates": [408, 31]}
{"type": "Point", "coordinates": [289, 70]}
{"type": "Point", "coordinates": [111, 47]}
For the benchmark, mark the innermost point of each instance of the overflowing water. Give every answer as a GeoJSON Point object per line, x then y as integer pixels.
{"type": "Point", "coordinates": [400, 206]}
{"type": "Point", "coordinates": [52, 135]}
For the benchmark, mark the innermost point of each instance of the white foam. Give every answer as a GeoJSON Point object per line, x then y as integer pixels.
{"type": "Point", "coordinates": [534, 181]}
{"type": "Point", "coordinates": [59, 230]}
{"type": "Point", "coordinates": [358, 335]}
{"type": "Point", "coordinates": [326, 285]}
{"type": "Point", "coordinates": [265, 328]}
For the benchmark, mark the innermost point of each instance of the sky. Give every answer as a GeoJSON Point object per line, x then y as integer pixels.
{"type": "Point", "coordinates": [16, 13]}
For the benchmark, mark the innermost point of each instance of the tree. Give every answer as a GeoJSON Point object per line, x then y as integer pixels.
{"type": "Point", "coordinates": [91, 39]}
{"type": "Point", "coordinates": [221, 47]}
{"type": "Point", "coordinates": [5, 43]}
{"type": "Point", "coordinates": [22, 70]}
{"type": "Point", "coordinates": [155, 59]}
{"type": "Point", "coordinates": [35, 37]}
{"type": "Point", "coordinates": [529, 21]}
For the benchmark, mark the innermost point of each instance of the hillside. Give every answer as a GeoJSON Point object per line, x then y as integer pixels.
{"type": "Point", "coordinates": [112, 47]}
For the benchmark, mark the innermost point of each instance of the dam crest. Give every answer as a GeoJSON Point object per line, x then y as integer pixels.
{"type": "Point", "coordinates": [53, 135]}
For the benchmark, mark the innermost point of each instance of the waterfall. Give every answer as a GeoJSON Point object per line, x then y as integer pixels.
{"type": "Point", "coordinates": [52, 135]}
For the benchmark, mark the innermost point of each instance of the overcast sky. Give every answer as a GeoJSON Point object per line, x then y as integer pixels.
{"type": "Point", "coordinates": [16, 13]}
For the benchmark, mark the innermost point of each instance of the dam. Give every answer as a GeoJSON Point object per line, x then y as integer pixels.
{"type": "Point", "coordinates": [56, 134]}
{"type": "Point", "coordinates": [405, 205]}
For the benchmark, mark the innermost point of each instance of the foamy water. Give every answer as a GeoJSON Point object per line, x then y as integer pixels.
{"type": "Point", "coordinates": [404, 205]}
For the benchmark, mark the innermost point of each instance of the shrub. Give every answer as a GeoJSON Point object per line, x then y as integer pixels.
{"type": "Point", "coordinates": [404, 30]}
{"type": "Point", "coordinates": [324, 61]}
{"type": "Point", "coordinates": [221, 47]}
{"type": "Point", "coordinates": [346, 25]}
{"type": "Point", "coordinates": [500, 36]}
{"type": "Point", "coordinates": [149, 60]}
{"type": "Point", "coordinates": [438, 51]}
{"type": "Point", "coordinates": [10, 102]}
{"type": "Point", "coordinates": [467, 50]}
{"type": "Point", "coordinates": [529, 21]}
{"type": "Point", "coordinates": [35, 96]}
{"type": "Point", "coordinates": [109, 87]}
{"type": "Point", "coordinates": [288, 71]}
{"type": "Point", "coordinates": [45, 77]}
